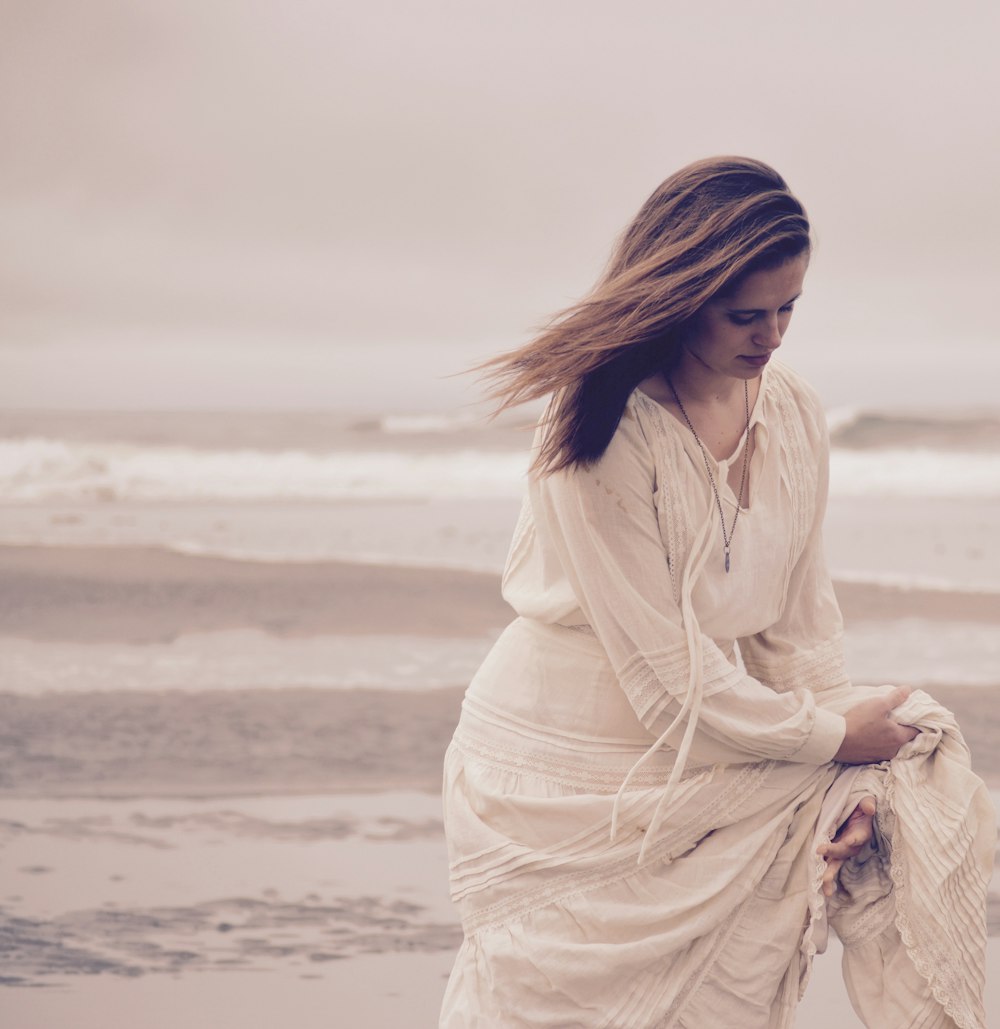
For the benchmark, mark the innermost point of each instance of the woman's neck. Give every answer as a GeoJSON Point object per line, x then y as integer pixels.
{"type": "Point", "coordinates": [695, 382]}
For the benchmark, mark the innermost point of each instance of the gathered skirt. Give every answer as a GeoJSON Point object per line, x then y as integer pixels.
{"type": "Point", "coordinates": [719, 923]}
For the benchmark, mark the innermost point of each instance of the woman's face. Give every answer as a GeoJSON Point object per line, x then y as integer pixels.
{"type": "Point", "coordinates": [736, 335]}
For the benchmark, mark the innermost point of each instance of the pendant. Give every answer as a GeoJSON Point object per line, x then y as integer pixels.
{"type": "Point", "coordinates": [727, 560]}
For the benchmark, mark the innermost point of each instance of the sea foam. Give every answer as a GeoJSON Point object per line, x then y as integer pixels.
{"type": "Point", "coordinates": [38, 469]}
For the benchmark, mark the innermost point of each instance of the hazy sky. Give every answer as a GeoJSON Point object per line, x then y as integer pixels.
{"type": "Point", "coordinates": [222, 202]}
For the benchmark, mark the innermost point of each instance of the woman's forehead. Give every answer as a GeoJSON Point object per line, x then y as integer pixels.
{"type": "Point", "coordinates": [769, 287]}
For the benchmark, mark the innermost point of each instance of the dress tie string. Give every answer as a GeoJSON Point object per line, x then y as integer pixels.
{"type": "Point", "coordinates": [691, 705]}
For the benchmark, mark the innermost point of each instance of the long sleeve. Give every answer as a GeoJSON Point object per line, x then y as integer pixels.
{"type": "Point", "coordinates": [602, 524]}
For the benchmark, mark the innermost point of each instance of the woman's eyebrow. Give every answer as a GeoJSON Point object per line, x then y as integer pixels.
{"type": "Point", "coordinates": [757, 310]}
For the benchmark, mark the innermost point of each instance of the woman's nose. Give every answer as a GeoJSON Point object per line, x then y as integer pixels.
{"type": "Point", "coordinates": [769, 334]}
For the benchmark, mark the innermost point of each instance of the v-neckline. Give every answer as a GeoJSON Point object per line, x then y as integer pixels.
{"type": "Point", "coordinates": [692, 445]}
{"type": "Point", "coordinates": [686, 429]}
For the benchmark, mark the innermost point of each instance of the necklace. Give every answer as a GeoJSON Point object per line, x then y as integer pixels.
{"type": "Point", "coordinates": [727, 540]}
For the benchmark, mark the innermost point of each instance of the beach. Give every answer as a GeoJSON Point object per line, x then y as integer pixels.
{"type": "Point", "coordinates": [226, 697]}
{"type": "Point", "coordinates": [267, 271]}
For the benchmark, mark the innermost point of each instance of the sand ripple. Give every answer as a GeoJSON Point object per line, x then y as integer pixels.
{"type": "Point", "coordinates": [236, 932]}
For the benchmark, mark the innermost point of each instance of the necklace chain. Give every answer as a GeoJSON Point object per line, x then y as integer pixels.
{"type": "Point", "coordinates": [727, 540]}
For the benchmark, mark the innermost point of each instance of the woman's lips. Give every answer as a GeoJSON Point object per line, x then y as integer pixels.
{"type": "Point", "coordinates": [757, 362]}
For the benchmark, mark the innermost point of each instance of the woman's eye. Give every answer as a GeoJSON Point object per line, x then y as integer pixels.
{"type": "Point", "coordinates": [747, 319]}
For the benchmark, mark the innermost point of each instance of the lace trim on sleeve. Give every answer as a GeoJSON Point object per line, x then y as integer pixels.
{"type": "Point", "coordinates": [816, 669]}
{"type": "Point", "coordinates": [651, 680]}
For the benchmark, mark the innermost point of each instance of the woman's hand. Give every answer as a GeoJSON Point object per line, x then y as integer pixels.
{"type": "Point", "coordinates": [852, 837]}
{"type": "Point", "coordinates": [872, 734]}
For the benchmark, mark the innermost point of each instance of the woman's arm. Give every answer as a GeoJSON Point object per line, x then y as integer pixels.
{"type": "Point", "coordinates": [804, 647]}
{"type": "Point", "coordinates": [603, 524]}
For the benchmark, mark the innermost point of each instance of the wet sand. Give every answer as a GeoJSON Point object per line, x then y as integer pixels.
{"type": "Point", "coordinates": [257, 742]}
{"type": "Point", "coordinates": [313, 911]}
{"type": "Point", "coordinates": [148, 594]}
{"type": "Point", "coordinates": [259, 852]}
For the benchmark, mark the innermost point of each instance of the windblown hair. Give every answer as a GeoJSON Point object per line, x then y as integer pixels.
{"type": "Point", "coordinates": [697, 237]}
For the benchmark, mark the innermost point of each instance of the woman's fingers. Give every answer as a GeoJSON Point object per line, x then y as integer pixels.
{"type": "Point", "coordinates": [857, 831]}
{"type": "Point", "coordinates": [898, 695]}
{"type": "Point", "coordinates": [872, 733]}
{"type": "Point", "coordinates": [830, 877]}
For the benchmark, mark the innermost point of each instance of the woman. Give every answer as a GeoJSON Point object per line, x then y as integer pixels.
{"type": "Point", "coordinates": [663, 784]}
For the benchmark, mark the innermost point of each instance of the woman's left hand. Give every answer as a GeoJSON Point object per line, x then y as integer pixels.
{"type": "Point", "coordinates": [852, 837]}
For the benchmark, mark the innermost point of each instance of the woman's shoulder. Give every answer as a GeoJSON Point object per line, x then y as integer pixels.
{"type": "Point", "coordinates": [793, 393]}
{"type": "Point", "coordinates": [793, 385]}
{"type": "Point", "coordinates": [632, 445]}
{"type": "Point", "coordinates": [645, 419]}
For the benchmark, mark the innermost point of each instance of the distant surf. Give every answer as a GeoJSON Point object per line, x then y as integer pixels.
{"type": "Point", "coordinates": [854, 429]}
{"type": "Point", "coordinates": [42, 469]}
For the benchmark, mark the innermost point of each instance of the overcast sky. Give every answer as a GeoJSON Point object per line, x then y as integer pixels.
{"type": "Point", "coordinates": [219, 202]}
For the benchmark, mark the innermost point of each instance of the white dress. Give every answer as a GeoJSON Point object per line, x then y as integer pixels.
{"type": "Point", "coordinates": [642, 769]}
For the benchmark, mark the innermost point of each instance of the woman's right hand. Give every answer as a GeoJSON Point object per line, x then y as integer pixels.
{"type": "Point", "coordinates": [872, 734]}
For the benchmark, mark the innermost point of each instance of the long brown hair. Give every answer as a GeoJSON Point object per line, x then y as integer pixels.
{"type": "Point", "coordinates": [698, 236]}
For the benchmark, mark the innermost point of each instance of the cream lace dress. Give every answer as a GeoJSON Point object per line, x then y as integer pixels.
{"type": "Point", "coordinates": [642, 769]}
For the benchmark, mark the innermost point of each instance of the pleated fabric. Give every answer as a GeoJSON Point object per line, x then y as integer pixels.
{"type": "Point", "coordinates": [912, 916]}
{"type": "Point", "coordinates": [643, 766]}
{"type": "Point", "coordinates": [719, 923]}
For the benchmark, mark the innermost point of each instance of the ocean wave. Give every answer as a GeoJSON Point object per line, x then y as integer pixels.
{"type": "Point", "coordinates": [423, 424]}
{"type": "Point", "coordinates": [39, 469]}
{"type": "Point", "coordinates": [857, 429]}
{"type": "Point", "coordinates": [914, 472]}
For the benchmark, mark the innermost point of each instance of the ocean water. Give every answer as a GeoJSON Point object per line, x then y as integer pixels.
{"type": "Point", "coordinates": [912, 499]}
{"type": "Point", "coordinates": [145, 457]}
{"type": "Point", "coordinates": [914, 503]}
